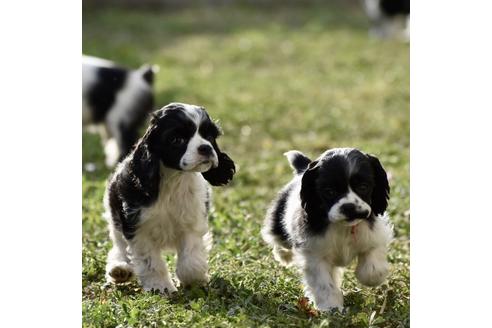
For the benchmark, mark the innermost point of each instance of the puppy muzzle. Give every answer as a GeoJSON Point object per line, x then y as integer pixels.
{"type": "Point", "coordinates": [204, 164]}
{"type": "Point", "coordinates": [353, 212]}
{"type": "Point", "coordinates": [212, 160]}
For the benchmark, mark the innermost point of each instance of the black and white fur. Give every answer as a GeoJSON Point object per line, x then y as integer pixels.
{"type": "Point", "coordinates": [116, 100]}
{"type": "Point", "coordinates": [158, 199]}
{"type": "Point", "coordinates": [332, 212]}
{"type": "Point", "coordinates": [390, 18]}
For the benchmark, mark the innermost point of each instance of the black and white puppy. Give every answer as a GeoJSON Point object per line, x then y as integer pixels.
{"type": "Point", "coordinates": [117, 100]}
{"type": "Point", "coordinates": [390, 18]}
{"type": "Point", "coordinates": [158, 199]}
{"type": "Point", "coordinates": [332, 212]}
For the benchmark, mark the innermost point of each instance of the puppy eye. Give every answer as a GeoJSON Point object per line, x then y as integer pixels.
{"type": "Point", "coordinates": [330, 192]}
{"type": "Point", "coordinates": [362, 188]}
{"type": "Point", "coordinates": [210, 138]}
{"type": "Point", "coordinates": [176, 141]}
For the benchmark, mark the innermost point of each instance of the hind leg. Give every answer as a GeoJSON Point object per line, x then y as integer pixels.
{"type": "Point", "coordinates": [123, 136]}
{"type": "Point", "coordinates": [109, 138]}
{"type": "Point", "coordinates": [118, 267]}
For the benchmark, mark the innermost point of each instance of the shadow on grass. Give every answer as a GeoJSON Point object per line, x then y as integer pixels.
{"type": "Point", "coordinates": [220, 296]}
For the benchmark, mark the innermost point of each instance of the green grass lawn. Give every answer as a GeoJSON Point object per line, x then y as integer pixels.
{"type": "Point", "coordinates": [306, 78]}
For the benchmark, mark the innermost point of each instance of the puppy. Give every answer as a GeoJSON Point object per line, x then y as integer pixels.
{"type": "Point", "coordinates": [390, 18]}
{"type": "Point", "coordinates": [118, 100]}
{"type": "Point", "coordinates": [158, 199]}
{"type": "Point", "coordinates": [329, 214]}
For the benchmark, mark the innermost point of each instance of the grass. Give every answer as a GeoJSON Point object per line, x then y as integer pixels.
{"type": "Point", "coordinates": [278, 78]}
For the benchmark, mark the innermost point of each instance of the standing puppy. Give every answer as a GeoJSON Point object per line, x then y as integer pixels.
{"type": "Point", "coordinates": [117, 98]}
{"type": "Point", "coordinates": [158, 199]}
{"type": "Point", "coordinates": [329, 214]}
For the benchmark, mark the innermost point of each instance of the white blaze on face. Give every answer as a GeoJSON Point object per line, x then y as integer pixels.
{"type": "Point", "coordinates": [192, 160]}
{"type": "Point", "coordinates": [335, 213]}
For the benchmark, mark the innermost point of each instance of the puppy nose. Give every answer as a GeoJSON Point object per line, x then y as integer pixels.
{"type": "Point", "coordinates": [205, 150]}
{"type": "Point", "coordinates": [351, 212]}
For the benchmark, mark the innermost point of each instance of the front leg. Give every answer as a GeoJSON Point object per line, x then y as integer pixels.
{"type": "Point", "coordinates": [192, 263]}
{"type": "Point", "coordinates": [118, 268]}
{"type": "Point", "coordinates": [151, 270]}
{"type": "Point", "coordinates": [372, 267]}
{"type": "Point", "coordinates": [322, 282]}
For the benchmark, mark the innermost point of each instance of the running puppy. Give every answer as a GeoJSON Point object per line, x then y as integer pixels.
{"type": "Point", "coordinates": [158, 199]}
{"type": "Point", "coordinates": [329, 214]}
{"type": "Point", "coordinates": [117, 100]}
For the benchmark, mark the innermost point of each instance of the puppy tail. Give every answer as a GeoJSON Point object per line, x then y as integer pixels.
{"type": "Point", "coordinates": [148, 72]}
{"type": "Point", "coordinates": [297, 160]}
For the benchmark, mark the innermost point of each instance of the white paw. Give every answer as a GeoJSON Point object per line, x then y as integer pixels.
{"type": "Point", "coordinates": [156, 283]}
{"type": "Point", "coordinates": [199, 280]}
{"type": "Point", "coordinates": [331, 303]}
{"type": "Point", "coordinates": [118, 272]}
{"type": "Point", "coordinates": [188, 277]}
{"type": "Point", "coordinates": [327, 301]}
{"type": "Point", "coordinates": [372, 273]}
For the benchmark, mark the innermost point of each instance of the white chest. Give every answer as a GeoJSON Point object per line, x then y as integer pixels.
{"type": "Point", "coordinates": [179, 209]}
{"type": "Point", "coordinates": [341, 244]}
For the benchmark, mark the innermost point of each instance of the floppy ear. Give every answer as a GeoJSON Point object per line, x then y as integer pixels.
{"type": "Point", "coordinates": [144, 166]}
{"type": "Point", "coordinates": [223, 173]}
{"type": "Point", "coordinates": [310, 200]}
{"type": "Point", "coordinates": [380, 194]}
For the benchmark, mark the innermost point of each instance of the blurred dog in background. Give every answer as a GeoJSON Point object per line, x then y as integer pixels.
{"type": "Point", "coordinates": [390, 18]}
{"type": "Point", "coordinates": [117, 100]}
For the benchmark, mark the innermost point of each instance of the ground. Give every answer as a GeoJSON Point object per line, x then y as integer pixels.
{"type": "Point", "coordinates": [301, 77]}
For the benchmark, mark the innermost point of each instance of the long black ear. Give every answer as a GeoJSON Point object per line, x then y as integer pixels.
{"type": "Point", "coordinates": [380, 194]}
{"type": "Point", "coordinates": [310, 200]}
{"type": "Point", "coordinates": [223, 173]}
{"type": "Point", "coordinates": [144, 174]}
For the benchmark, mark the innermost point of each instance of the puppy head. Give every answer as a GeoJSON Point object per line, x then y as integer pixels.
{"type": "Point", "coordinates": [184, 137]}
{"type": "Point", "coordinates": [345, 185]}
